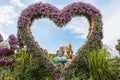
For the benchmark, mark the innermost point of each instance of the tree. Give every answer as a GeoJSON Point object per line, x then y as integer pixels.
{"type": "Point", "coordinates": [118, 46]}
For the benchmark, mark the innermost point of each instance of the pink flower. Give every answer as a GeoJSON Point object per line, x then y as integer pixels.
{"type": "Point", "coordinates": [57, 78]}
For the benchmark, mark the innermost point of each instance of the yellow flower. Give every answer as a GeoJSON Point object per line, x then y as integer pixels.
{"type": "Point", "coordinates": [8, 78]}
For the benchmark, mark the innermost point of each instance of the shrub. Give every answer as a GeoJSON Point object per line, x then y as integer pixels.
{"type": "Point", "coordinates": [28, 68]}
{"type": "Point", "coordinates": [101, 65]}
{"type": "Point", "coordinates": [80, 76]}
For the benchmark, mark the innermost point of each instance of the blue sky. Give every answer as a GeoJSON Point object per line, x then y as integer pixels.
{"type": "Point", "coordinates": [50, 36]}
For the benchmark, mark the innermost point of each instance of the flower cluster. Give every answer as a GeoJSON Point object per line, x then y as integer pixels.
{"type": "Point", "coordinates": [37, 10]}
{"type": "Point", "coordinates": [6, 52]}
{"type": "Point", "coordinates": [60, 17]}
{"type": "Point", "coordinates": [13, 41]}
{"type": "Point", "coordinates": [6, 62]}
{"type": "Point", "coordinates": [5, 49]}
{"type": "Point", "coordinates": [3, 62]}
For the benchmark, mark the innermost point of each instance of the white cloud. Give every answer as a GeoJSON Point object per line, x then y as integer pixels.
{"type": "Point", "coordinates": [17, 3]}
{"type": "Point", "coordinates": [111, 22]}
{"type": "Point", "coordinates": [80, 26]}
{"type": "Point", "coordinates": [1, 32]}
{"type": "Point", "coordinates": [7, 14]}
{"type": "Point", "coordinates": [111, 18]}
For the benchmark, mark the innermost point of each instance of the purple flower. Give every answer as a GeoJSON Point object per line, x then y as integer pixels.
{"type": "Point", "coordinates": [0, 52]}
{"type": "Point", "coordinates": [3, 62]}
{"type": "Point", "coordinates": [60, 17]}
{"type": "Point", "coordinates": [6, 62]}
{"type": "Point", "coordinates": [6, 52]}
{"type": "Point", "coordinates": [12, 39]}
{"type": "Point", "coordinates": [1, 38]}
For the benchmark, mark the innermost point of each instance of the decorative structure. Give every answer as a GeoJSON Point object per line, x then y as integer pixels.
{"type": "Point", "coordinates": [45, 52]}
{"type": "Point", "coordinates": [64, 54]}
{"type": "Point", "coordinates": [67, 50]}
{"type": "Point", "coordinates": [60, 58]}
{"type": "Point", "coordinates": [61, 18]}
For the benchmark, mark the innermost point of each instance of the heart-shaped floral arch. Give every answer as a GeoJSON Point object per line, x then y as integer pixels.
{"type": "Point", "coordinates": [61, 18]}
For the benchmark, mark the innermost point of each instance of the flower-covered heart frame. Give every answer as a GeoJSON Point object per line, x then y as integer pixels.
{"type": "Point", "coordinates": [61, 18]}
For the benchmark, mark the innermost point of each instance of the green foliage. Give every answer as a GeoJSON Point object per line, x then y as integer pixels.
{"type": "Point", "coordinates": [5, 74]}
{"type": "Point", "coordinates": [116, 71]}
{"type": "Point", "coordinates": [27, 68]}
{"type": "Point", "coordinates": [21, 63]}
{"type": "Point", "coordinates": [100, 65]}
{"type": "Point", "coordinates": [80, 76]}
{"type": "Point", "coordinates": [118, 46]}
{"type": "Point", "coordinates": [52, 56]}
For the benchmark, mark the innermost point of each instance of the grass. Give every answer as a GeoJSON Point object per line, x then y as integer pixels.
{"type": "Point", "coordinates": [101, 65]}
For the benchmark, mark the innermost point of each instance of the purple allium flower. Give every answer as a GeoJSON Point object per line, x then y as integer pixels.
{"type": "Point", "coordinates": [3, 62]}
{"type": "Point", "coordinates": [1, 38]}
{"type": "Point", "coordinates": [12, 39]}
{"type": "Point", "coordinates": [7, 52]}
